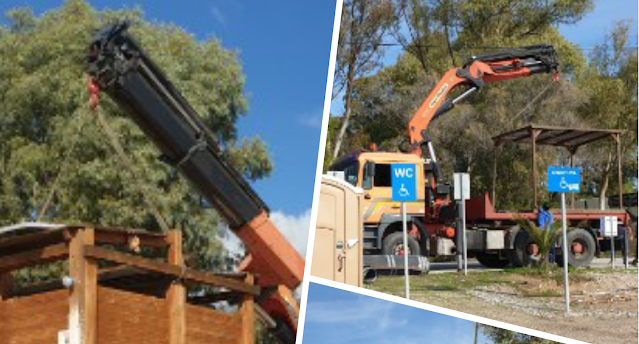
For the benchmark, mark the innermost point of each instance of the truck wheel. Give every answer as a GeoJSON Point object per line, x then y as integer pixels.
{"type": "Point", "coordinates": [394, 245]}
{"type": "Point", "coordinates": [370, 275]}
{"type": "Point", "coordinates": [520, 255]}
{"type": "Point", "coordinates": [581, 248]}
{"type": "Point", "coordinates": [491, 260]}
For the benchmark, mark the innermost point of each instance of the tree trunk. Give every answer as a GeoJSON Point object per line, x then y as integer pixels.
{"type": "Point", "coordinates": [603, 188]}
{"type": "Point", "coordinates": [447, 34]}
{"type": "Point", "coordinates": [604, 183]}
{"type": "Point", "coordinates": [347, 109]}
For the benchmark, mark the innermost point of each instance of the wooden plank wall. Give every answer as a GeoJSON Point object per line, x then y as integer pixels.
{"type": "Point", "coordinates": [205, 326]}
{"type": "Point", "coordinates": [125, 317]}
{"type": "Point", "coordinates": [34, 319]}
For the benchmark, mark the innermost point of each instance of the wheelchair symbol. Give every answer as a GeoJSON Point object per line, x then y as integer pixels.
{"type": "Point", "coordinates": [571, 187]}
{"type": "Point", "coordinates": [403, 192]}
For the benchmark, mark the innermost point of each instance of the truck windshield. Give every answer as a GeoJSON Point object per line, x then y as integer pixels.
{"type": "Point", "coordinates": [350, 173]}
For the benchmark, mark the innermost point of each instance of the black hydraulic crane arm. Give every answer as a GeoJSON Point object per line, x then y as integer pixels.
{"type": "Point", "coordinates": [132, 80]}
{"type": "Point", "coordinates": [121, 69]}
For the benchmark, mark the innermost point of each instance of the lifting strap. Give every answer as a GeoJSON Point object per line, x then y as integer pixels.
{"type": "Point", "coordinates": [533, 100]}
{"type": "Point", "coordinates": [126, 161]}
{"type": "Point", "coordinates": [62, 169]}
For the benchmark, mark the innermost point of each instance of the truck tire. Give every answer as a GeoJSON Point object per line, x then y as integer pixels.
{"type": "Point", "coordinates": [519, 256]}
{"type": "Point", "coordinates": [394, 242]}
{"type": "Point", "coordinates": [581, 248]}
{"type": "Point", "coordinates": [492, 260]}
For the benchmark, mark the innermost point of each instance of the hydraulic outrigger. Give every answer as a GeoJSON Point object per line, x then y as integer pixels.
{"type": "Point", "coordinates": [118, 66]}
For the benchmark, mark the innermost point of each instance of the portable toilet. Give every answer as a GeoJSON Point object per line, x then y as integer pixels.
{"type": "Point", "coordinates": [337, 251]}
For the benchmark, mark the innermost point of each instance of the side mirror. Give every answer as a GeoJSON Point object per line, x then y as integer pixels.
{"type": "Point", "coordinates": [369, 173]}
{"type": "Point", "coordinates": [369, 169]}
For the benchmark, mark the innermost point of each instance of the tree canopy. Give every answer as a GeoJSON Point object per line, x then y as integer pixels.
{"type": "Point", "coordinates": [50, 137]}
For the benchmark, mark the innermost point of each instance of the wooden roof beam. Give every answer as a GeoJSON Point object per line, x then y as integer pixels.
{"type": "Point", "coordinates": [188, 275]}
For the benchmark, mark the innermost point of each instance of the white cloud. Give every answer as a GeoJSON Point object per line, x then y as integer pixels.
{"type": "Point", "coordinates": [356, 311]}
{"type": "Point", "coordinates": [312, 119]}
{"type": "Point", "coordinates": [294, 227]}
{"type": "Point", "coordinates": [231, 242]}
{"type": "Point", "coordinates": [218, 15]}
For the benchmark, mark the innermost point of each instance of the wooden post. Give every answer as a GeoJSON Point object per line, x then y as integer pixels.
{"type": "Point", "coordinates": [83, 299]}
{"type": "Point", "coordinates": [495, 157]}
{"type": "Point", "coordinates": [176, 294]}
{"type": "Point", "coordinates": [6, 285]}
{"type": "Point", "coordinates": [533, 137]}
{"type": "Point", "coordinates": [572, 151]}
{"type": "Point", "coordinates": [619, 173]}
{"type": "Point", "coordinates": [247, 313]}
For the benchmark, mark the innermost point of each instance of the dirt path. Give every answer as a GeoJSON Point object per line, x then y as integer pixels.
{"type": "Point", "coordinates": [603, 305]}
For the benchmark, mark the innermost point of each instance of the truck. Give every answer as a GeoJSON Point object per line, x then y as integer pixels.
{"type": "Point", "coordinates": [494, 237]}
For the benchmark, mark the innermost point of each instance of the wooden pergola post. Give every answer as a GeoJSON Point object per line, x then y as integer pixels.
{"type": "Point", "coordinates": [617, 138]}
{"type": "Point", "coordinates": [247, 313]}
{"type": "Point", "coordinates": [83, 299]}
{"type": "Point", "coordinates": [6, 286]}
{"type": "Point", "coordinates": [533, 137]}
{"type": "Point", "coordinates": [572, 151]}
{"type": "Point", "coordinates": [496, 152]}
{"type": "Point", "coordinates": [176, 294]}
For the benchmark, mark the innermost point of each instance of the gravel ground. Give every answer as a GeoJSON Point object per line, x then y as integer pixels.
{"type": "Point", "coordinates": [603, 304]}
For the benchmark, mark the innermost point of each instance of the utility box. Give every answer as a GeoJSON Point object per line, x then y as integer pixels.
{"type": "Point", "coordinates": [337, 252]}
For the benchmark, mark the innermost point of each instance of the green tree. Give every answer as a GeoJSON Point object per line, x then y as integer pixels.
{"type": "Point", "coordinates": [47, 130]}
{"type": "Point", "coordinates": [502, 336]}
{"type": "Point", "coordinates": [364, 24]}
{"type": "Point", "coordinates": [610, 82]}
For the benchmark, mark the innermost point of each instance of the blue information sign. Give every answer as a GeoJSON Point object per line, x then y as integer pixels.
{"type": "Point", "coordinates": [404, 181]}
{"type": "Point", "coordinates": [564, 179]}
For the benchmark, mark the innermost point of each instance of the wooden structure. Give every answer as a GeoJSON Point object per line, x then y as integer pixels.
{"type": "Point", "coordinates": [112, 296]}
{"type": "Point", "coordinates": [569, 138]}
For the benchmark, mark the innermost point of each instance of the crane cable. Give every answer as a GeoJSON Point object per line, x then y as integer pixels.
{"type": "Point", "coordinates": [532, 101]}
{"type": "Point", "coordinates": [61, 170]}
{"type": "Point", "coordinates": [125, 159]}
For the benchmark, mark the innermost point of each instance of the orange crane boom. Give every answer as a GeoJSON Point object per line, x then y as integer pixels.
{"type": "Point", "coordinates": [479, 70]}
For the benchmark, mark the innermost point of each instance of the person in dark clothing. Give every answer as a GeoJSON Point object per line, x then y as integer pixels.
{"type": "Point", "coordinates": [545, 221]}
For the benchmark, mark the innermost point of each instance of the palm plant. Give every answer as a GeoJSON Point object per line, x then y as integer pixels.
{"type": "Point", "coordinates": [544, 237]}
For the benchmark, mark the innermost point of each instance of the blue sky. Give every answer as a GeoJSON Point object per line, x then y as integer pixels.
{"type": "Point", "coordinates": [284, 48]}
{"type": "Point", "coordinates": [586, 33]}
{"type": "Point", "coordinates": [341, 317]}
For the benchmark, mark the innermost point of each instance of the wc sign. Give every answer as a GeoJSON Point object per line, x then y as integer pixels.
{"type": "Point", "coordinates": [404, 182]}
{"type": "Point", "coordinates": [564, 179]}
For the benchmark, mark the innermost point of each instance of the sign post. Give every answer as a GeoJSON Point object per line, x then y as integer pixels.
{"type": "Point", "coordinates": [404, 183]}
{"type": "Point", "coordinates": [608, 227]}
{"type": "Point", "coordinates": [462, 193]}
{"type": "Point", "coordinates": [562, 180]}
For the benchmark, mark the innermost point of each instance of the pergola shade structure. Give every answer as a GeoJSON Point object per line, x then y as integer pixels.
{"type": "Point", "coordinates": [567, 137]}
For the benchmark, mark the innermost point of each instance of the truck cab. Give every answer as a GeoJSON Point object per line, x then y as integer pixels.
{"type": "Point", "coordinates": [371, 171]}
